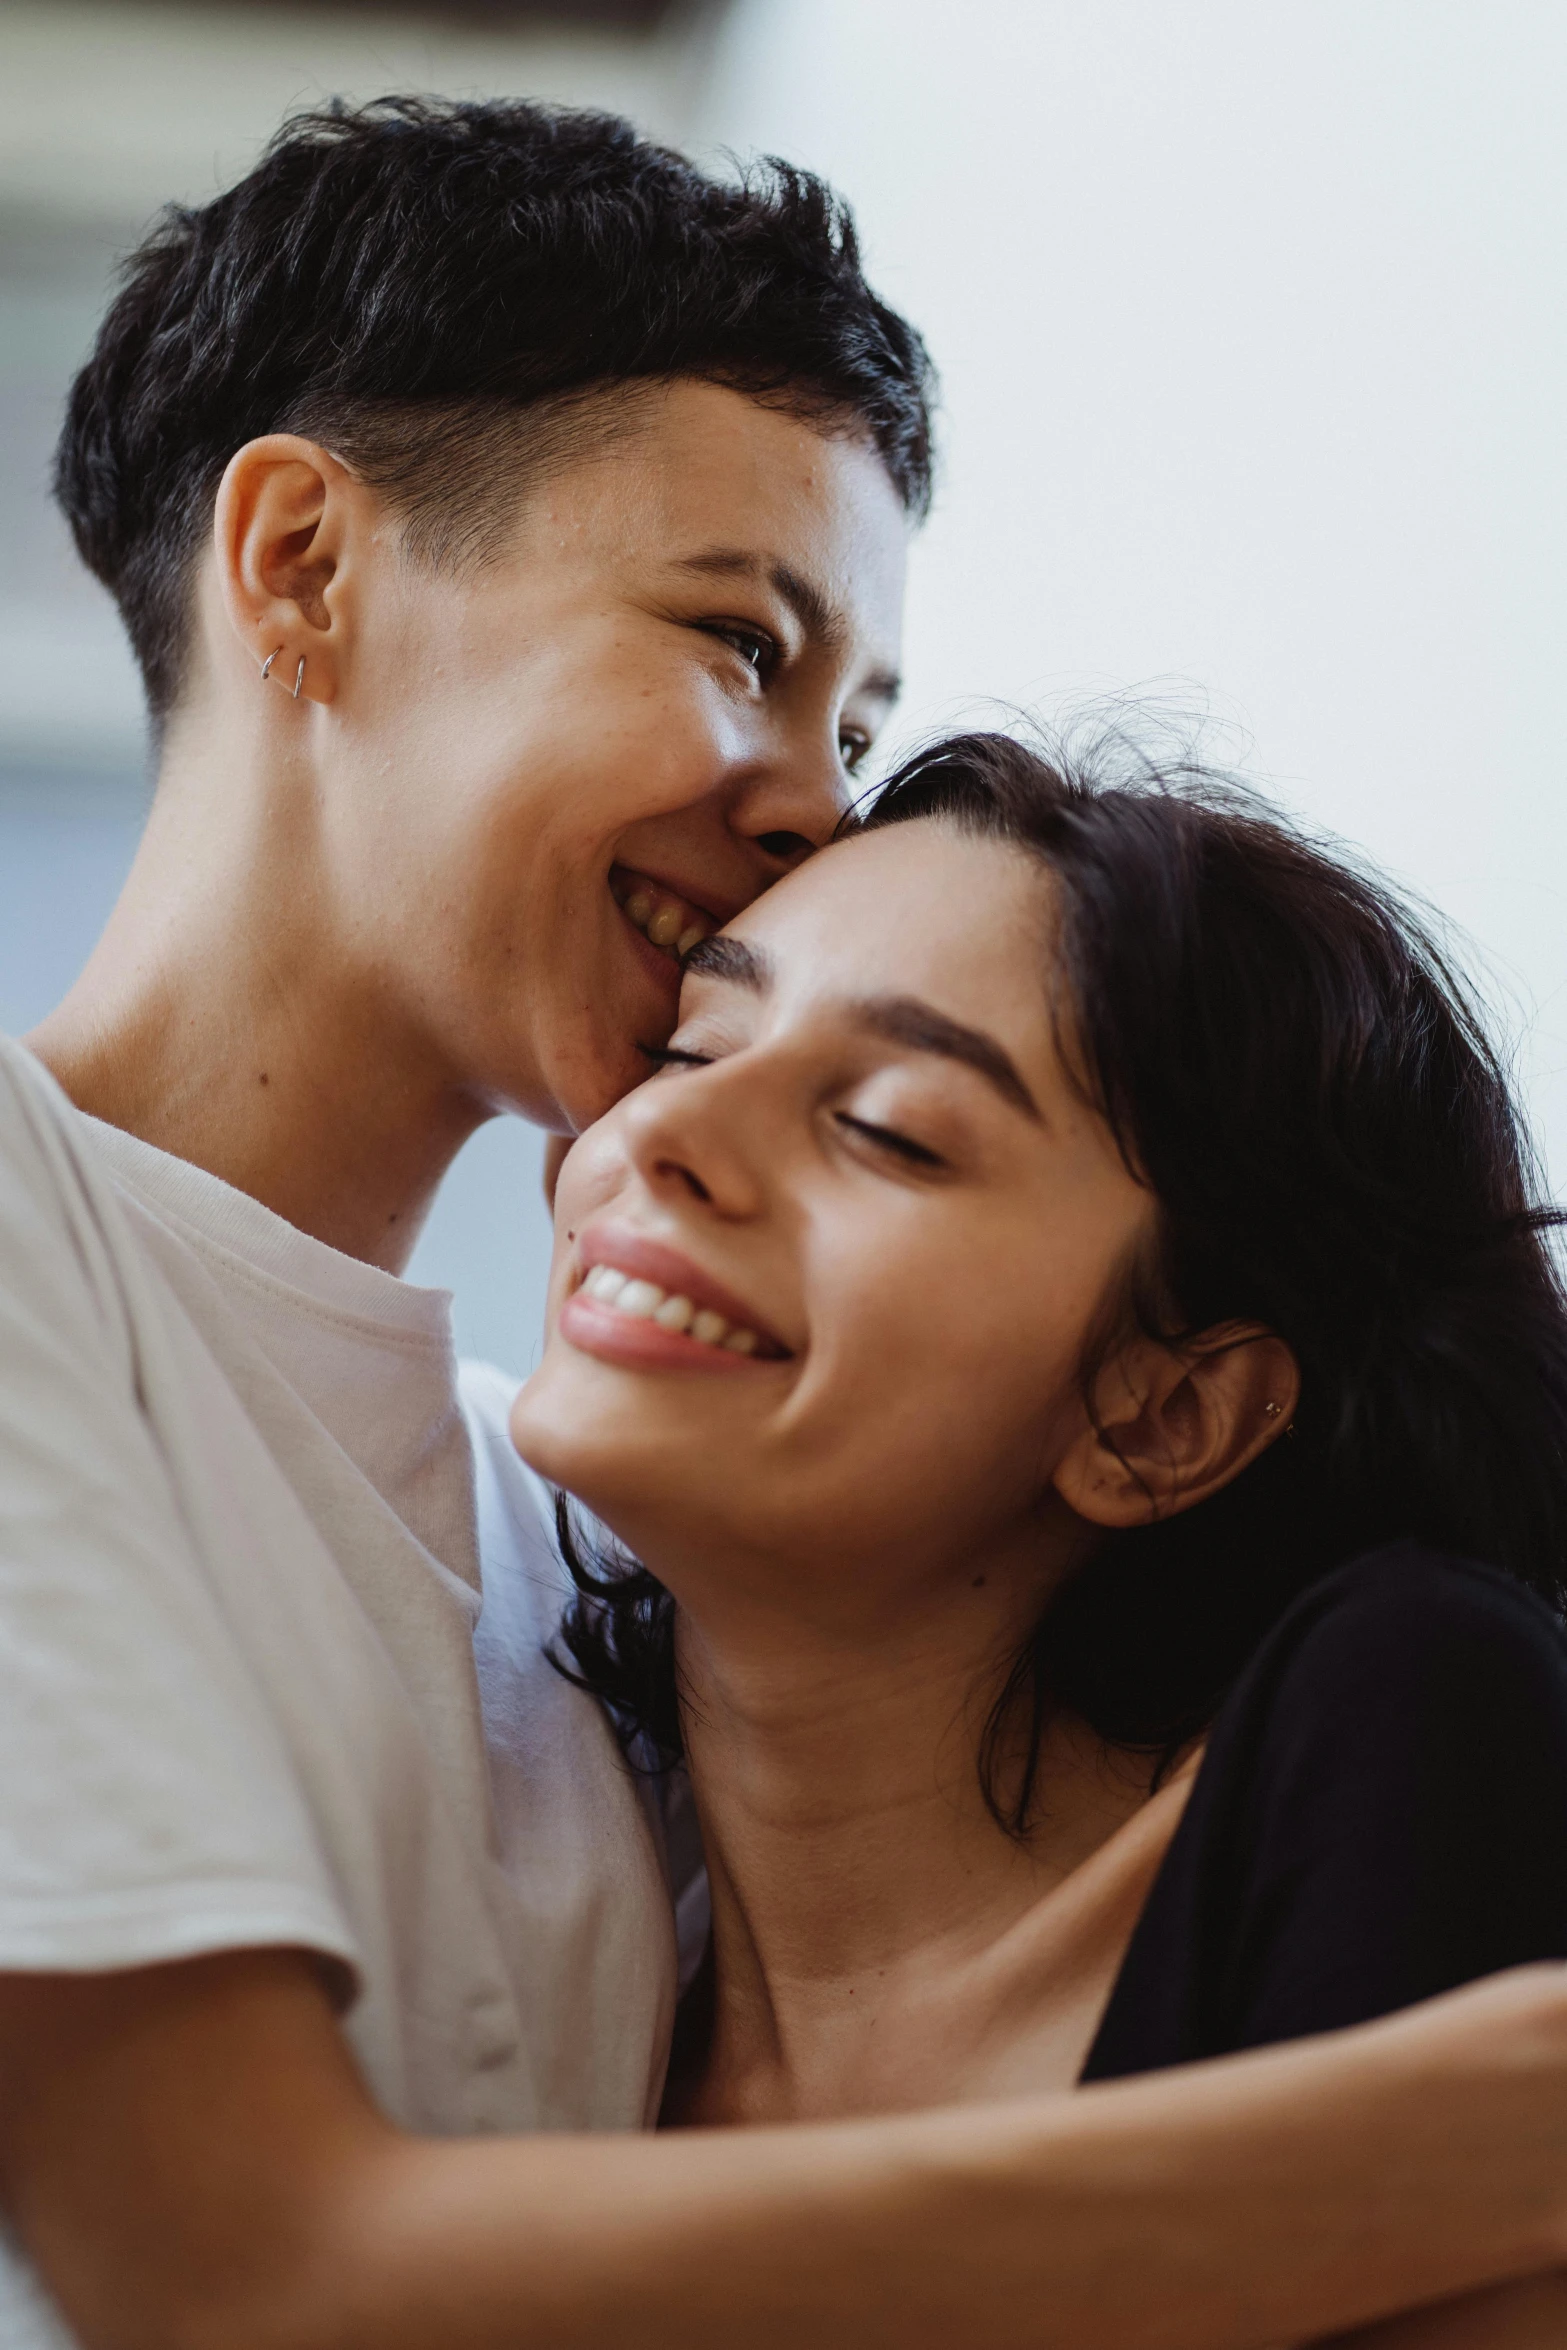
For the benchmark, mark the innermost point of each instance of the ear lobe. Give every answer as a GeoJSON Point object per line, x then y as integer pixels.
{"type": "Point", "coordinates": [279, 532]}
{"type": "Point", "coordinates": [1174, 1425]}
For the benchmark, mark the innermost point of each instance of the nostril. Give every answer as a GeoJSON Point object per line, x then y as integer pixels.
{"type": "Point", "coordinates": [693, 1182]}
{"type": "Point", "coordinates": [787, 847]}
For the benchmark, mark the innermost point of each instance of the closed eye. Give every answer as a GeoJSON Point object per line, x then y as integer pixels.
{"type": "Point", "coordinates": [669, 1056]}
{"type": "Point", "coordinates": [887, 1138]}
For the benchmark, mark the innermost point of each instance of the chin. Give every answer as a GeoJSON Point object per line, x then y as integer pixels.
{"type": "Point", "coordinates": [630, 1479]}
{"type": "Point", "coordinates": [539, 1437]}
{"type": "Point", "coordinates": [547, 1426]}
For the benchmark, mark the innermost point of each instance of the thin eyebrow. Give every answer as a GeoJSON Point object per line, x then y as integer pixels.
{"type": "Point", "coordinates": [731, 959]}
{"type": "Point", "coordinates": [818, 616]}
{"type": "Point", "coordinates": [906, 1020]}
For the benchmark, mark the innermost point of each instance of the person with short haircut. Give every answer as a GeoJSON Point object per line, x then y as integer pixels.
{"type": "Point", "coordinates": [510, 523]}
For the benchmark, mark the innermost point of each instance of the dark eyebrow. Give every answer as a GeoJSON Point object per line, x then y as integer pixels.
{"type": "Point", "coordinates": [731, 959]}
{"type": "Point", "coordinates": [905, 1020]}
{"type": "Point", "coordinates": [818, 616]}
{"type": "Point", "coordinates": [902, 1019]}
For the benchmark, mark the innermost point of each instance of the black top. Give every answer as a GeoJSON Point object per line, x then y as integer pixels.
{"type": "Point", "coordinates": [1381, 1815]}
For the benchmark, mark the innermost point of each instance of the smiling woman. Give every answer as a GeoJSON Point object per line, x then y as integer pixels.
{"type": "Point", "coordinates": [1120, 1532]}
{"type": "Point", "coordinates": [569, 509]}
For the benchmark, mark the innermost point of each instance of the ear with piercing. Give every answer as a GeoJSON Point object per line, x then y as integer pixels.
{"type": "Point", "coordinates": [299, 674]}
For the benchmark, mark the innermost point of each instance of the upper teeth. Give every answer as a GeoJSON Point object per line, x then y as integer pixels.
{"type": "Point", "coordinates": [646, 1302]}
{"type": "Point", "coordinates": [668, 920]}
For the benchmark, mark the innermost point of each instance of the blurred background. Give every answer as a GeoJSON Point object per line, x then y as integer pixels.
{"type": "Point", "coordinates": [1253, 330]}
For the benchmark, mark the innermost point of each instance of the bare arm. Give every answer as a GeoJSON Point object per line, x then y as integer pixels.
{"type": "Point", "coordinates": [194, 2165]}
{"type": "Point", "coordinates": [1527, 2316]}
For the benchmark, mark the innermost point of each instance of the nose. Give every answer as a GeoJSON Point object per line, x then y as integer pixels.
{"type": "Point", "coordinates": [794, 806]}
{"type": "Point", "coordinates": [692, 1137]}
{"type": "Point", "coordinates": [786, 849]}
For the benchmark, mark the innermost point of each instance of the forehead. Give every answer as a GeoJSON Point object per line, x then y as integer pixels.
{"type": "Point", "coordinates": [919, 910]}
{"type": "Point", "coordinates": [689, 470]}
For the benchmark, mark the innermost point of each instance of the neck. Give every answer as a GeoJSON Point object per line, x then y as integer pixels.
{"type": "Point", "coordinates": [863, 1893]}
{"type": "Point", "coordinates": [219, 1019]}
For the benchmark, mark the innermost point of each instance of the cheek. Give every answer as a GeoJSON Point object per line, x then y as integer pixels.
{"type": "Point", "coordinates": [559, 1422]}
{"type": "Point", "coordinates": [934, 1395]}
{"type": "Point", "coordinates": [594, 1172]}
{"type": "Point", "coordinates": [617, 723]}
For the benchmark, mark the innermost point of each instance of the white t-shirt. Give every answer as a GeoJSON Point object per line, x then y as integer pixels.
{"type": "Point", "coordinates": [250, 1695]}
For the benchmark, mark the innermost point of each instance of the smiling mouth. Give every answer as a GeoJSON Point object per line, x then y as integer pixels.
{"type": "Point", "coordinates": [639, 1300]}
{"type": "Point", "coordinates": [666, 920]}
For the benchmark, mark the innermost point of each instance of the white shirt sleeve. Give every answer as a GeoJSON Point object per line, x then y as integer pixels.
{"type": "Point", "coordinates": [151, 1809]}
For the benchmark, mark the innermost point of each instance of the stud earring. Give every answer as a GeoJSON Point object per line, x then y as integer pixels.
{"type": "Point", "coordinates": [1272, 1410]}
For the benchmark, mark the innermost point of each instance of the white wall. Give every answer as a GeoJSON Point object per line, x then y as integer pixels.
{"type": "Point", "coordinates": [1253, 323]}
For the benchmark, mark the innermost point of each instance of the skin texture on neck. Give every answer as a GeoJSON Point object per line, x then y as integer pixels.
{"type": "Point", "coordinates": [880, 1942]}
{"type": "Point", "coordinates": [219, 1019]}
{"type": "Point", "coordinates": [363, 921]}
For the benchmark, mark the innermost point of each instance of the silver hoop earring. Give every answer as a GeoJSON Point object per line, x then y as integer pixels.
{"type": "Point", "coordinates": [300, 678]}
{"type": "Point", "coordinates": [266, 666]}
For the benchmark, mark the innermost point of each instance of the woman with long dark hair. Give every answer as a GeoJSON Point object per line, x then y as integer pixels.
{"type": "Point", "coordinates": [1069, 1344]}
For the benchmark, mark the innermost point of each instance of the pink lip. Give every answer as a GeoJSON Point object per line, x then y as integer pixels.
{"type": "Point", "coordinates": [621, 1245]}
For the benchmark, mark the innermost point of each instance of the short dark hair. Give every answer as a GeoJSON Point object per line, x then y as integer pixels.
{"type": "Point", "coordinates": [1290, 1063]}
{"type": "Point", "coordinates": [408, 276]}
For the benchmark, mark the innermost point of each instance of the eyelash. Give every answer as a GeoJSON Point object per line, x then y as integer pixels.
{"type": "Point", "coordinates": [732, 633]}
{"type": "Point", "coordinates": [902, 1146]}
{"type": "Point", "coordinates": [887, 1138]}
{"type": "Point", "coordinates": [668, 1056]}
{"type": "Point", "coordinates": [851, 747]}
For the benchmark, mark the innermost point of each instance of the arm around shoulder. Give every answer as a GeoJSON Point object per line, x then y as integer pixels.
{"type": "Point", "coordinates": [1530, 2315]}
{"type": "Point", "coordinates": [190, 2158]}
